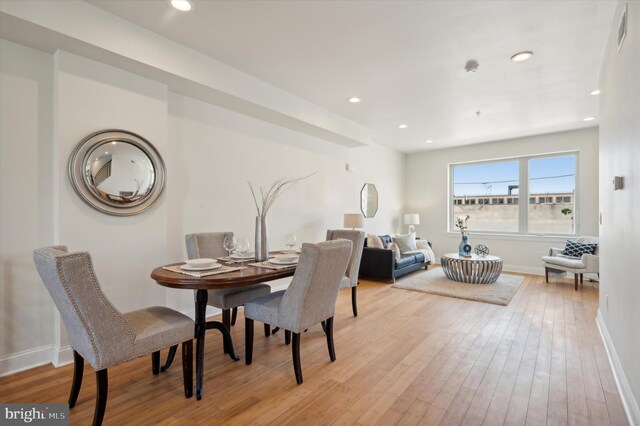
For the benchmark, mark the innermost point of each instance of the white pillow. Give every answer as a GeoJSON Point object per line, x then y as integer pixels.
{"type": "Point", "coordinates": [374, 241]}
{"type": "Point", "coordinates": [406, 242]}
{"type": "Point", "coordinates": [396, 250]}
{"type": "Point", "coordinates": [422, 244]}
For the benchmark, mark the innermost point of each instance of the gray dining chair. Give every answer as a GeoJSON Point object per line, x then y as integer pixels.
{"type": "Point", "coordinates": [210, 244]}
{"type": "Point", "coordinates": [310, 298]}
{"type": "Point", "coordinates": [351, 276]}
{"type": "Point", "coordinates": [99, 333]}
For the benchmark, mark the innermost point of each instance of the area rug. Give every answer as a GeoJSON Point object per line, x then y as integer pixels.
{"type": "Point", "coordinates": [435, 282]}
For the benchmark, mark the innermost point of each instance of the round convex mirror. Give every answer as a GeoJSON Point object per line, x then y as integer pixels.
{"type": "Point", "coordinates": [117, 172]}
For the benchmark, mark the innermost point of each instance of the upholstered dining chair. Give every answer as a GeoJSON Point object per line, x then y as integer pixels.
{"type": "Point", "coordinates": [310, 298]}
{"type": "Point", "coordinates": [99, 333]}
{"type": "Point", "coordinates": [578, 265]}
{"type": "Point", "coordinates": [210, 244]}
{"type": "Point", "coordinates": [351, 276]}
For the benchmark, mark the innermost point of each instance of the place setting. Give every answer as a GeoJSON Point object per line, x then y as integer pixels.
{"type": "Point", "coordinates": [202, 267]}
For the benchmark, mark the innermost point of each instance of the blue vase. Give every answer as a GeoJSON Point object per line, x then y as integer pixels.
{"type": "Point", "coordinates": [464, 249]}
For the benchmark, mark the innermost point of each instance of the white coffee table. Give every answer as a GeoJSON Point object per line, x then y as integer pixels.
{"type": "Point", "coordinates": [472, 270]}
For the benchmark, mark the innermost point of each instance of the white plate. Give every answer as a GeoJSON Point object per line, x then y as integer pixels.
{"type": "Point", "coordinates": [200, 263]}
{"type": "Point", "coordinates": [280, 262]}
{"type": "Point", "coordinates": [200, 268]}
{"type": "Point", "coordinates": [288, 257]}
{"type": "Point", "coordinates": [246, 256]}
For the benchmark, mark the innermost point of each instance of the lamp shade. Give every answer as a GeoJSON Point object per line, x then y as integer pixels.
{"type": "Point", "coordinates": [412, 219]}
{"type": "Point", "coordinates": [353, 220]}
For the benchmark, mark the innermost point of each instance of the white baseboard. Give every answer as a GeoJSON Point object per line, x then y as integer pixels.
{"type": "Point", "coordinates": [24, 360]}
{"type": "Point", "coordinates": [628, 400]}
{"type": "Point", "coordinates": [62, 356]}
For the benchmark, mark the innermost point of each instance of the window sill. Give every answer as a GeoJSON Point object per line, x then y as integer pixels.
{"type": "Point", "coordinates": [519, 237]}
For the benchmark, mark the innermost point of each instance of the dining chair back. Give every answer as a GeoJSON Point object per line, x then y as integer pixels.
{"type": "Point", "coordinates": [310, 298]}
{"type": "Point", "coordinates": [351, 275]}
{"type": "Point", "coordinates": [98, 332]}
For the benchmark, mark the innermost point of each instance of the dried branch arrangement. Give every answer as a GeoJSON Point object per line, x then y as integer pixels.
{"type": "Point", "coordinates": [277, 188]}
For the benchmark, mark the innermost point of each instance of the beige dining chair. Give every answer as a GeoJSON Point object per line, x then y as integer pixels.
{"type": "Point", "coordinates": [210, 244]}
{"type": "Point", "coordinates": [310, 298]}
{"type": "Point", "coordinates": [99, 333]}
{"type": "Point", "coordinates": [351, 276]}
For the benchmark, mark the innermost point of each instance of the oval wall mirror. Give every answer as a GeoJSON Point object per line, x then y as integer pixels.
{"type": "Point", "coordinates": [117, 172]}
{"type": "Point", "coordinates": [369, 200]}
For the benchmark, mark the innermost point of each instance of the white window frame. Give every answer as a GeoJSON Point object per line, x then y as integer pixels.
{"type": "Point", "coordinates": [523, 195]}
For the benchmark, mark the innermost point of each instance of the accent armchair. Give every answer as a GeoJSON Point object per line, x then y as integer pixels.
{"type": "Point", "coordinates": [99, 333]}
{"type": "Point", "coordinates": [310, 298]}
{"type": "Point", "coordinates": [585, 264]}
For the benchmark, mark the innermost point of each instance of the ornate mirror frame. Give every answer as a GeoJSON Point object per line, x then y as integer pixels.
{"type": "Point", "coordinates": [83, 181]}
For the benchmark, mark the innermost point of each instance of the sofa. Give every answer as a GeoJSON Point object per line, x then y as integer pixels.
{"type": "Point", "coordinates": [381, 264]}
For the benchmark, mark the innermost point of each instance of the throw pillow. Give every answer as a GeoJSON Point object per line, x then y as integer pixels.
{"type": "Point", "coordinates": [406, 242]}
{"type": "Point", "coordinates": [396, 250]}
{"type": "Point", "coordinates": [374, 241]}
{"type": "Point", "coordinates": [422, 244]}
{"type": "Point", "coordinates": [574, 249]}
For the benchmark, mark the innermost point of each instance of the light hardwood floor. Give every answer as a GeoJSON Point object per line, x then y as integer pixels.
{"type": "Point", "coordinates": [408, 358]}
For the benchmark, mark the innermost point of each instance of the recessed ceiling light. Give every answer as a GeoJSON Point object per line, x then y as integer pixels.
{"type": "Point", "coordinates": [595, 92]}
{"type": "Point", "coordinates": [588, 119]}
{"type": "Point", "coordinates": [522, 56]}
{"type": "Point", "coordinates": [182, 5]}
{"type": "Point", "coordinates": [354, 100]}
{"type": "Point", "coordinates": [402, 126]}
{"type": "Point", "coordinates": [429, 141]}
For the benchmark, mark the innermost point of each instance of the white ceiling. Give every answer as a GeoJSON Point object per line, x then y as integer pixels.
{"type": "Point", "coordinates": [406, 59]}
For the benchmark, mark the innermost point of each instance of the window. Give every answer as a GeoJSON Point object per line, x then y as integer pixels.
{"type": "Point", "coordinates": [552, 175]}
{"type": "Point", "coordinates": [527, 195]}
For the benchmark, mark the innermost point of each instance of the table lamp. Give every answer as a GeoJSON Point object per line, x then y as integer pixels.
{"type": "Point", "coordinates": [353, 220]}
{"type": "Point", "coordinates": [412, 219]}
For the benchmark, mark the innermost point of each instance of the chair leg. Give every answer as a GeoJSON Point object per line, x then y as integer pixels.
{"type": "Point", "coordinates": [354, 300]}
{"type": "Point", "coordinates": [329, 333]}
{"type": "Point", "coordinates": [581, 278]}
{"type": "Point", "coordinates": [78, 369]}
{"type": "Point", "coordinates": [187, 367]}
{"type": "Point", "coordinates": [295, 353]}
{"type": "Point", "coordinates": [102, 382]}
{"type": "Point", "coordinates": [267, 330]}
{"type": "Point", "coordinates": [248, 341]}
{"type": "Point", "coordinates": [575, 279]}
{"type": "Point", "coordinates": [226, 320]}
{"type": "Point", "coordinates": [155, 362]}
{"type": "Point", "coordinates": [234, 315]}
{"type": "Point", "coordinates": [170, 356]}
{"type": "Point", "coordinates": [546, 274]}
{"type": "Point", "coordinates": [287, 337]}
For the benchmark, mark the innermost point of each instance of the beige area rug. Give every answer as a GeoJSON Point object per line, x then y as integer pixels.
{"type": "Point", "coordinates": [435, 282]}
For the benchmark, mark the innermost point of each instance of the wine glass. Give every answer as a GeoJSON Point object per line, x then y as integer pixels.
{"type": "Point", "coordinates": [242, 247]}
{"type": "Point", "coordinates": [229, 243]}
{"type": "Point", "coordinates": [290, 241]}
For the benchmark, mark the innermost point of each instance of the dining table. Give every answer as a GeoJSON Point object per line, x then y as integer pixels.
{"type": "Point", "coordinates": [246, 276]}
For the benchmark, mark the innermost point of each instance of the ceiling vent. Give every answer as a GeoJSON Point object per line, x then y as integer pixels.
{"type": "Point", "coordinates": [471, 65]}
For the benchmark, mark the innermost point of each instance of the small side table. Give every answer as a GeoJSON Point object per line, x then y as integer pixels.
{"type": "Point", "coordinates": [472, 270]}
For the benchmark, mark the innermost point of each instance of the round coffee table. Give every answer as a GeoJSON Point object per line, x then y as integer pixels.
{"type": "Point", "coordinates": [472, 270]}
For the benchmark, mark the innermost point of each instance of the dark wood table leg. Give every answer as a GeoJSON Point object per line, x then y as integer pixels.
{"type": "Point", "coordinates": [201, 326]}
{"type": "Point", "coordinates": [226, 336]}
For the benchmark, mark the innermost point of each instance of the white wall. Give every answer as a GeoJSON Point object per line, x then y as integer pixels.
{"type": "Point", "coordinates": [619, 312]}
{"type": "Point", "coordinates": [427, 194]}
{"type": "Point", "coordinates": [209, 152]}
{"type": "Point", "coordinates": [26, 316]}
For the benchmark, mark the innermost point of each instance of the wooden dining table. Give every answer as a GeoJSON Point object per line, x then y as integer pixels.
{"type": "Point", "coordinates": [234, 279]}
